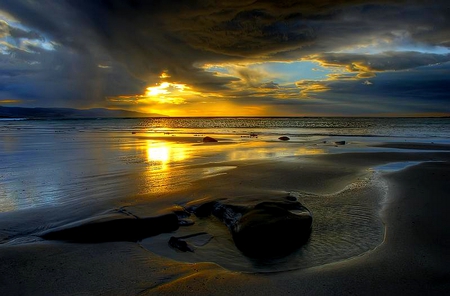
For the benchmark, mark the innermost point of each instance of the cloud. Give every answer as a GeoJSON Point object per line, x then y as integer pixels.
{"type": "Point", "coordinates": [423, 90]}
{"type": "Point", "coordinates": [308, 87]}
{"type": "Point", "coordinates": [102, 49]}
{"type": "Point", "coordinates": [386, 61]}
{"type": "Point", "coordinates": [270, 85]}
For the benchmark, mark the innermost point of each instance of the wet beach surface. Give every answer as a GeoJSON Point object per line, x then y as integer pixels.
{"type": "Point", "coordinates": [55, 179]}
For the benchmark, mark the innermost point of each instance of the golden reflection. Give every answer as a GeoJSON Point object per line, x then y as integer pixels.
{"type": "Point", "coordinates": [309, 151]}
{"type": "Point", "coordinates": [272, 152]}
{"type": "Point", "coordinates": [160, 174]}
{"type": "Point", "coordinates": [158, 154]}
{"type": "Point", "coordinates": [163, 153]}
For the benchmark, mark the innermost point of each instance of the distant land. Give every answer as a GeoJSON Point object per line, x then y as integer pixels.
{"type": "Point", "coordinates": [68, 113]}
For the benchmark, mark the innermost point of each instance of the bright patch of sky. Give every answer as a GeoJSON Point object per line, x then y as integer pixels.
{"type": "Point", "coordinates": [400, 41]}
{"type": "Point", "coordinates": [278, 72]}
{"type": "Point", "coordinates": [7, 42]}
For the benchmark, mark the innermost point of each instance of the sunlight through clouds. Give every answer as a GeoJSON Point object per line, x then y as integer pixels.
{"type": "Point", "coordinates": [263, 57]}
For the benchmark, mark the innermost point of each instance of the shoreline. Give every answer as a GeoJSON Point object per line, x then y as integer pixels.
{"type": "Point", "coordinates": [396, 266]}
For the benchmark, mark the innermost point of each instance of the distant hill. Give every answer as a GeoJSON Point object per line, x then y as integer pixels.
{"type": "Point", "coordinates": [63, 113]}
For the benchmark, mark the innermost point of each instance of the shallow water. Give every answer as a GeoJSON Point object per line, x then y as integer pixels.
{"type": "Point", "coordinates": [48, 163]}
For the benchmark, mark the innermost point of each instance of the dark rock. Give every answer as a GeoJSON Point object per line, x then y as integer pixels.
{"type": "Point", "coordinates": [180, 212]}
{"type": "Point", "coordinates": [209, 140]}
{"type": "Point", "coordinates": [185, 222]}
{"type": "Point", "coordinates": [180, 244]}
{"type": "Point", "coordinates": [203, 210]}
{"type": "Point", "coordinates": [284, 138]}
{"type": "Point", "coordinates": [272, 229]}
{"type": "Point", "coordinates": [265, 230]}
{"type": "Point", "coordinates": [229, 214]}
{"type": "Point", "coordinates": [291, 198]}
{"type": "Point", "coordinates": [340, 143]}
{"type": "Point", "coordinates": [126, 229]}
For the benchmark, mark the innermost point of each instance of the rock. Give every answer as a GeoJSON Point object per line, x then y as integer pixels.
{"type": "Point", "coordinates": [180, 212]}
{"type": "Point", "coordinates": [180, 244]}
{"type": "Point", "coordinates": [124, 229]}
{"type": "Point", "coordinates": [185, 222]}
{"type": "Point", "coordinates": [267, 229]}
{"type": "Point", "coordinates": [209, 140]}
{"type": "Point", "coordinates": [203, 210]}
{"type": "Point", "coordinates": [291, 198]}
{"type": "Point", "coordinates": [340, 143]}
{"type": "Point", "coordinates": [197, 239]}
{"type": "Point", "coordinates": [272, 229]}
{"type": "Point", "coordinates": [284, 138]}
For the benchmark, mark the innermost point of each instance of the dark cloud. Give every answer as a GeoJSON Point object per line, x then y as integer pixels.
{"type": "Point", "coordinates": [19, 33]}
{"type": "Point", "coordinates": [113, 47]}
{"type": "Point", "coordinates": [423, 90]}
{"type": "Point", "coordinates": [270, 85]}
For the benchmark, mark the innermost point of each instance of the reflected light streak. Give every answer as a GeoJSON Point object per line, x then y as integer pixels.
{"type": "Point", "coordinates": [272, 152]}
{"type": "Point", "coordinates": [158, 154]}
{"type": "Point", "coordinates": [163, 153]}
{"type": "Point", "coordinates": [160, 176]}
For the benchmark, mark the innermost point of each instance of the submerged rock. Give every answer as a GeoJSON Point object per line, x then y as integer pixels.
{"type": "Point", "coordinates": [209, 140]}
{"type": "Point", "coordinates": [124, 229]}
{"type": "Point", "coordinates": [284, 138]}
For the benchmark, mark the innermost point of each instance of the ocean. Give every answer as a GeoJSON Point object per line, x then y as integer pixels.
{"type": "Point", "coordinates": [56, 172]}
{"type": "Point", "coordinates": [417, 128]}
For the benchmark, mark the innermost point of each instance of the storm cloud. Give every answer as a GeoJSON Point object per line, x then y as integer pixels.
{"type": "Point", "coordinates": [83, 53]}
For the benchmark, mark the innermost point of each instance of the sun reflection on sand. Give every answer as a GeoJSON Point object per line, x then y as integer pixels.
{"type": "Point", "coordinates": [271, 152]}
{"type": "Point", "coordinates": [158, 154]}
{"type": "Point", "coordinates": [162, 153]}
{"type": "Point", "coordinates": [170, 163]}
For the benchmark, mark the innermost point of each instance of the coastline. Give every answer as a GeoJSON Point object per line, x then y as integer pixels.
{"type": "Point", "coordinates": [411, 258]}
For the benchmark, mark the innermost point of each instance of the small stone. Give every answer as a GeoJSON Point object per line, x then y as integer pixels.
{"type": "Point", "coordinates": [209, 140]}
{"type": "Point", "coordinates": [185, 222]}
{"type": "Point", "coordinates": [180, 244]}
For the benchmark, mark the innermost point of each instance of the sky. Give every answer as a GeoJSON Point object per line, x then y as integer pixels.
{"type": "Point", "coordinates": [228, 58]}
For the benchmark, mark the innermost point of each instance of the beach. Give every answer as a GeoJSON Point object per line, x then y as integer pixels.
{"type": "Point", "coordinates": [379, 216]}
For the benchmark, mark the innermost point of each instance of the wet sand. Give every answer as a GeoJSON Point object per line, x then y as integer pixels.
{"type": "Point", "coordinates": [410, 259]}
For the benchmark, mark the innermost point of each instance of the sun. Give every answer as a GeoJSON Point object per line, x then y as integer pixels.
{"type": "Point", "coordinates": [165, 88]}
